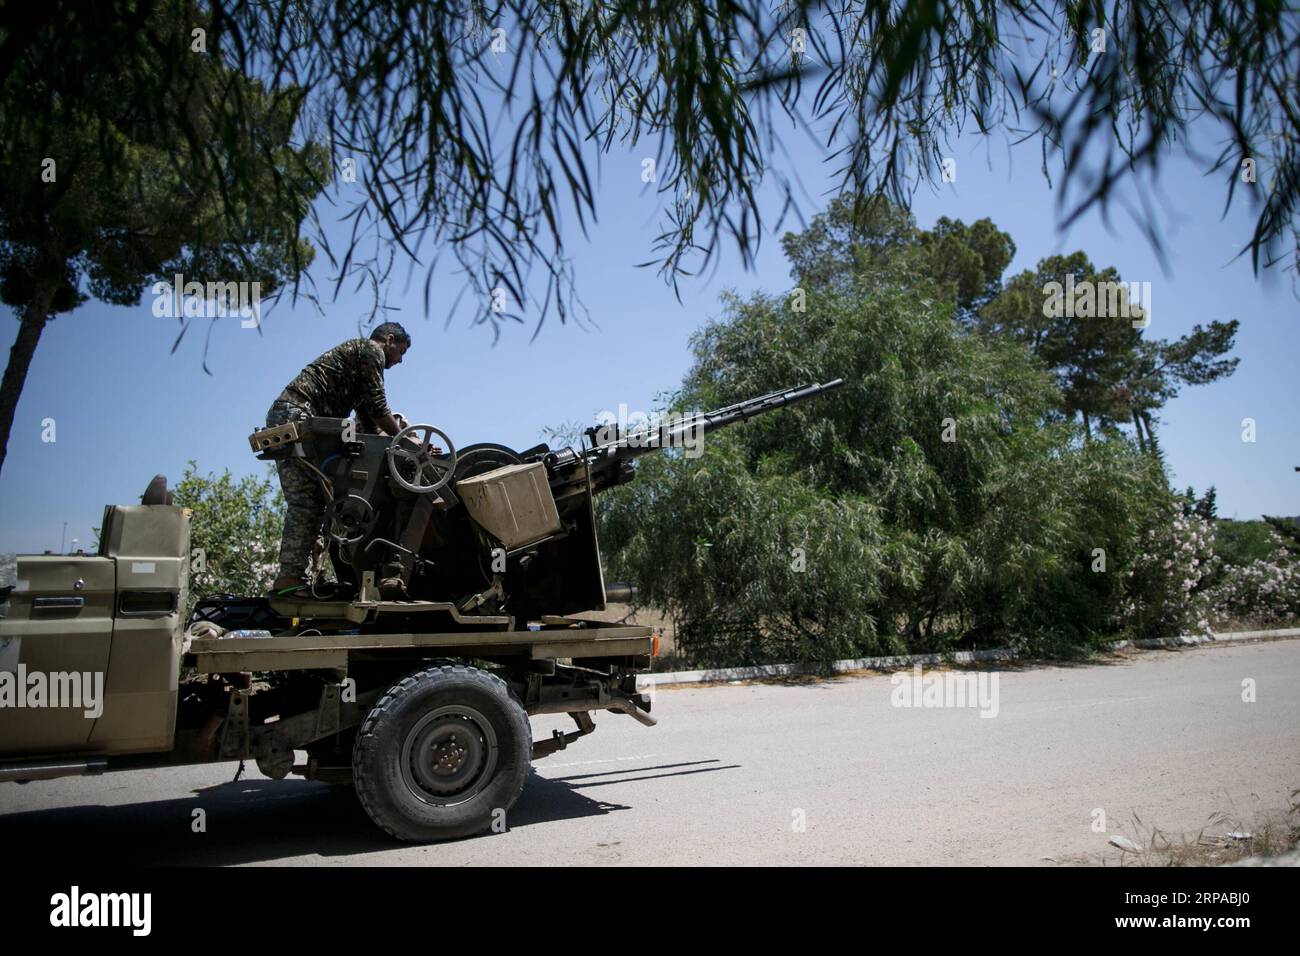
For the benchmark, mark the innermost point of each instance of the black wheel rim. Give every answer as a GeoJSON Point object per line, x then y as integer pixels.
{"type": "Point", "coordinates": [449, 755]}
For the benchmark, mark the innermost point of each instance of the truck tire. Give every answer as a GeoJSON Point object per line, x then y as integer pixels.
{"type": "Point", "coordinates": [443, 754]}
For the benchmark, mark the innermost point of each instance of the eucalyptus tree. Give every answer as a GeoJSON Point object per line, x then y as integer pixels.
{"type": "Point", "coordinates": [472, 126]}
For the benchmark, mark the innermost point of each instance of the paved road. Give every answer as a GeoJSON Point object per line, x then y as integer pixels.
{"type": "Point", "coordinates": [731, 771]}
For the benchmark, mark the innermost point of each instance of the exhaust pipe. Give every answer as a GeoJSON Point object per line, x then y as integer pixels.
{"type": "Point", "coordinates": [625, 706]}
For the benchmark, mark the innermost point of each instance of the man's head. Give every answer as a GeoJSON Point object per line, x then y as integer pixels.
{"type": "Point", "coordinates": [395, 341]}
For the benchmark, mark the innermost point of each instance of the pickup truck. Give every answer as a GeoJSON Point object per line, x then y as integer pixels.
{"type": "Point", "coordinates": [422, 710]}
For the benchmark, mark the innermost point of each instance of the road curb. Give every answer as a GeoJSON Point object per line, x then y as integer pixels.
{"type": "Point", "coordinates": [1280, 634]}
{"type": "Point", "coordinates": [956, 657]}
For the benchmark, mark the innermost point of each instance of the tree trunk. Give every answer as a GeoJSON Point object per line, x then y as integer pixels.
{"type": "Point", "coordinates": [1137, 427]}
{"type": "Point", "coordinates": [1151, 433]}
{"type": "Point", "coordinates": [1087, 425]}
{"type": "Point", "coordinates": [35, 315]}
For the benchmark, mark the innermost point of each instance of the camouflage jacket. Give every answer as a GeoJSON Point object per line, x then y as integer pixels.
{"type": "Point", "coordinates": [348, 376]}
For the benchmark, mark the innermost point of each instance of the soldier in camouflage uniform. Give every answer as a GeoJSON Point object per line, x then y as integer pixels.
{"type": "Point", "coordinates": [347, 377]}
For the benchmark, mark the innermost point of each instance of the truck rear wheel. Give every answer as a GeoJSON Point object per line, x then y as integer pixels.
{"type": "Point", "coordinates": [442, 755]}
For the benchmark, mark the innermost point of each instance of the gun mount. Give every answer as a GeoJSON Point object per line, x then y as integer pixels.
{"type": "Point", "coordinates": [487, 536]}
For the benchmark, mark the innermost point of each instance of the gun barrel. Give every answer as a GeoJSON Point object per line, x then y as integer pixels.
{"type": "Point", "coordinates": [671, 434]}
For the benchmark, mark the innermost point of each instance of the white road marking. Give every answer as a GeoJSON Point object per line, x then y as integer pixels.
{"type": "Point", "coordinates": [587, 763]}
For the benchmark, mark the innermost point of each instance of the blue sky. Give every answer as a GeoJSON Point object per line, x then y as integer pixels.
{"type": "Point", "coordinates": [125, 409]}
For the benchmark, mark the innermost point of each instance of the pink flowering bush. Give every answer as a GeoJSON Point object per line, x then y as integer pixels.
{"type": "Point", "coordinates": [1263, 593]}
{"type": "Point", "coordinates": [1170, 576]}
{"type": "Point", "coordinates": [1177, 585]}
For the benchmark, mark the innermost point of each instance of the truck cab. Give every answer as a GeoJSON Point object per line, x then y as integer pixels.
{"type": "Point", "coordinates": [90, 646]}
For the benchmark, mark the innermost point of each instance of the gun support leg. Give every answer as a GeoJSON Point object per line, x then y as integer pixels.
{"type": "Point", "coordinates": [560, 740]}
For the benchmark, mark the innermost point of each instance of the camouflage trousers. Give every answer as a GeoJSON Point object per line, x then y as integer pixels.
{"type": "Point", "coordinates": [303, 497]}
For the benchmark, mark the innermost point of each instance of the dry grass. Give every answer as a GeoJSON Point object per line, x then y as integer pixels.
{"type": "Point", "coordinates": [1225, 838]}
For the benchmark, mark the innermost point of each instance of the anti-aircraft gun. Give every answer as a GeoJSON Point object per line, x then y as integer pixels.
{"type": "Point", "coordinates": [485, 537]}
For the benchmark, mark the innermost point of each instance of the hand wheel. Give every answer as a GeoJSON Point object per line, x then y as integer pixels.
{"type": "Point", "coordinates": [431, 471]}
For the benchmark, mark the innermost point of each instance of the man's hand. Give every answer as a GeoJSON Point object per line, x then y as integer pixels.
{"type": "Point", "coordinates": [395, 422]}
{"type": "Point", "coordinates": [414, 442]}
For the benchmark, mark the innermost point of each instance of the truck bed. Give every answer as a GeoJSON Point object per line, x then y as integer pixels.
{"type": "Point", "coordinates": [559, 638]}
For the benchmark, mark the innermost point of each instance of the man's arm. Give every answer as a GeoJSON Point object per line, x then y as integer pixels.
{"type": "Point", "coordinates": [374, 402]}
{"type": "Point", "coordinates": [375, 407]}
{"type": "Point", "coordinates": [388, 424]}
